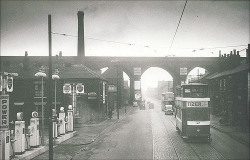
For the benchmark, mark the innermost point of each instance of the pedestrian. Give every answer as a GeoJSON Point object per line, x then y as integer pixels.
{"type": "Point", "coordinates": [110, 113]}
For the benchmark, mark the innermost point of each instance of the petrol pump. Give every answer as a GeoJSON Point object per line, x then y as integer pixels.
{"type": "Point", "coordinates": [4, 133]}
{"type": "Point", "coordinates": [34, 131]}
{"type": "Point", "coordinates": [19, 134]}
{"type": "Point", "coordinates": [6, 85]}
{"type": "Point", "coordinates": [54, 120]}
{"type": "Point", "coordinates": [5, 145]}
{"type": "Point", "coordinates": [70, 118]}
{"type": "Point", "coordinates": [27, 137]}
{"type": "Point", "coordinates": [62, 120]}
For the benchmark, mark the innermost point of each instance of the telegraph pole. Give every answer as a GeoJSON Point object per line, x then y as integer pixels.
{"type": "Point", "coordinates": [49, 94]}
{"type": "Point", "coordinates": [117, 93]}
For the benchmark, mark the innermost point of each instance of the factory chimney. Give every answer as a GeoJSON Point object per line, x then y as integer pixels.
{"type": "Point", "coordinates": [80, 43]}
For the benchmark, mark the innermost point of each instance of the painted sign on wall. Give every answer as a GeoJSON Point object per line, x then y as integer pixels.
{"type": "Point", "coordinates": [183, 71]}
{"type": "Point", "coordinates": [4, 118]}
{"type": "Point", "coordinates": [137, 71]}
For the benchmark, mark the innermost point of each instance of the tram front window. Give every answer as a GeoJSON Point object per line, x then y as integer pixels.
{"type": "Point", "coordinates": [197, 115]}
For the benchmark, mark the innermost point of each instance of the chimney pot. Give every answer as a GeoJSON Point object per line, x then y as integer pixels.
{"type": "Point", "coordinates": [26, 61]}
{"type": "Point", "coordinates": [60, 54]}
{"type": "Point", "coordinates": [238, 53]}
{"type": "Point", "coordinates": [26, 53]}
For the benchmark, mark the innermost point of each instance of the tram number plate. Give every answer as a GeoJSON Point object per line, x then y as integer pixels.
{"type": "Point", "coordinates": [197, 104]}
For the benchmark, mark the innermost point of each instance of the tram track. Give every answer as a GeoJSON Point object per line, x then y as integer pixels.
{"type": "Point", "coordinates": [176, 152]}
{"type": "Point", "coordinates": [196, 148]}
{"type": "Point", "coordinates": [171, 141]}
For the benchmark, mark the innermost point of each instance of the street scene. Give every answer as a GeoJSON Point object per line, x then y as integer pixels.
{"type": "Point", "coordinates": [124, 80]}
{"type": "Point", "coordinates": [146, 134]}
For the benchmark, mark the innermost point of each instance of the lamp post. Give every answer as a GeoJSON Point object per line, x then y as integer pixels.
{"type": "Point", "coordinates": [42, 75]}
{"type": "Point", "coordinates": [55, 77]}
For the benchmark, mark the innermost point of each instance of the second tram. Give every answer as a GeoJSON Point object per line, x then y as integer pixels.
{"type": "Point", "coordinates": [192, 111]}
{"type": "Point", "coordinates": [167, 98]}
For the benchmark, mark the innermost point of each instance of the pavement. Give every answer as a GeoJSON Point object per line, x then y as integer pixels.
{"type": "Point", "coordinates": [233, 131]}
{"type": "Point", "coordinates": [85, 134]}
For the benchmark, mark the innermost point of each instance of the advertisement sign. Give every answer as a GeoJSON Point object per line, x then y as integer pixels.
{"type": "Point", "coordinates": [137, 85]}
{"type": "Point", "coordinates": [9, 84]}
{"type": "Point", "coordinates": [4, 118]}
{"type": "Point", "coordinates": [1, 83]}
{"type": "Point", "coordinates": [137, 71]}
{"type": "Point", "coordinates": [67, 89]}
{"type": "Point", "coordinates": [80, 88]}
{"type": "Point", "coordinates": [197, 104]}
{"type": "Point", "coordinates": [92, 95]}
{"type": "Point", "coordinates": [112, 88]}
{"type": "Point", "coordinates": [183, 71]}
{"type": "Point", "coordinates": [138, 95]}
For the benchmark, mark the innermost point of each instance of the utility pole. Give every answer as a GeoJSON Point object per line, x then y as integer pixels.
{"type": "Point", "coordinates": [117, 93]}
{"type": "Point", "coordinates": [49, 93]}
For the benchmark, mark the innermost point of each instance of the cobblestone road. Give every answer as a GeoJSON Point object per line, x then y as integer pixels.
{"type": "Point", "coordinates": [145, 134]}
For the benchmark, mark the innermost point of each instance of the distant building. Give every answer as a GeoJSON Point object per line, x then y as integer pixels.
{"type": "Point", "coordinates": [126, 92]}
{"type": "Point", "coordinates": [164, 86]}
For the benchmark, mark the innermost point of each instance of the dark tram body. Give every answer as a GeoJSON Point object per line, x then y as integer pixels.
{"type": "Point", "coordinates": [193, 112]}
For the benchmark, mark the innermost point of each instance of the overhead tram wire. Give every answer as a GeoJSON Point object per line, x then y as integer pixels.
{"type": "Point", "coordinates": [130, 44]}
{"type": "Point", "coordinates": [146, 46]}
{"type": "Point", "coordinates": [177, 27]}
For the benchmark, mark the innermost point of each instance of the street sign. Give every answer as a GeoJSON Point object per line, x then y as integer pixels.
{"type": "Point", "coordinates": [137, 71]}
{"type": "Point", "coordinates": [67, 88]}
{"type": "Point", "coordinates": [4, 117]}
{"type": "Point", "coordinates": [79, 88]}
{"type": "Point", "coordinates": [183, 71]}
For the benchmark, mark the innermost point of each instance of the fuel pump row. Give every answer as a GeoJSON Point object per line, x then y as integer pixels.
{"type": "Point", "coordinates": [22, 138]}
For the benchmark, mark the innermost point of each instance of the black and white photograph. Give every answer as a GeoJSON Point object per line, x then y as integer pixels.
{"type": "Point", "coordinates": [124, 79]}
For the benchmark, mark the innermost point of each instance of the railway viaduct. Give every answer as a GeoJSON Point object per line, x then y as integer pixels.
{"type": "Point", "coordinates": [128, 64]}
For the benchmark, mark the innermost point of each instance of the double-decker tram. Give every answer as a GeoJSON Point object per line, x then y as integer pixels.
{"type": "Point", "coordinates": [193, 112]}
{"type": "Point", "coordinates": [167, 99]}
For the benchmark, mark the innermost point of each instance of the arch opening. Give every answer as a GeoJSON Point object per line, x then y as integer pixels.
{"type": "Point", "coordinates": [125, 76]}
{"type": "Point", "coordinates": [155, 81]}
{"type": "Point", "coordinates": [195, 74]}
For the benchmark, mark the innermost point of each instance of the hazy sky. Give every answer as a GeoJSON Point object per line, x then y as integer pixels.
{"type": "Point", "coordinates": [110, 26]}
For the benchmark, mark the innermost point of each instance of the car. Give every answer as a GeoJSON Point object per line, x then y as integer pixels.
{"type": "Point", "coordinates": [169, 112]}
{"type": "Point", "coordinates": [135, 104]}
{"type": "Point", "coordinates": [142, 106]}
{"type": "Point", "coordinates": [151, 106]}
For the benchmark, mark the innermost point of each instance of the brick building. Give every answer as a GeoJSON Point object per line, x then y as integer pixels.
{"type": "Point", "coordinates": [27, 94]}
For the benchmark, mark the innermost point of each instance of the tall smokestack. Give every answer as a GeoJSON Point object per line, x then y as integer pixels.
{"type": "Point", "coordinates": [81, 48]}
